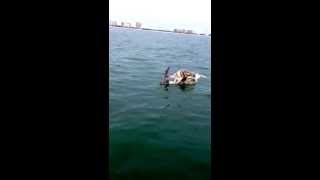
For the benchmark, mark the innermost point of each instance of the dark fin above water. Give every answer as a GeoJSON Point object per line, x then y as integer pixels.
{"type": "Point", "coordinates": [165, 80]}
{"type": "Point", "coordinates": [166, 72]}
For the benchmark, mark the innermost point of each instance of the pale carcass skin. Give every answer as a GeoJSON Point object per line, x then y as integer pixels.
{"type": "Point", "coordinates": [191, 80]}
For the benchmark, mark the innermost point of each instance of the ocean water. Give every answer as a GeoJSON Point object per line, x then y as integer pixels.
{"type": "Point", "coordinates": [156, 132]}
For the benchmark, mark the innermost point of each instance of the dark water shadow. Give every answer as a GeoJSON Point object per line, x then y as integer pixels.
{"type": "Point", "coordinates": [186, 88]}
{"type": "Point", "coordinates": [183, 88]}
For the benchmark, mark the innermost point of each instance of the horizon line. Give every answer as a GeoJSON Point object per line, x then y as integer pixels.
{"type": "Point", "coordinates": [153, 26]}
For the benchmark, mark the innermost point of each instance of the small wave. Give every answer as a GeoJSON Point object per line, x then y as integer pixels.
{"type": "Point", "coordinates": [136, 58]}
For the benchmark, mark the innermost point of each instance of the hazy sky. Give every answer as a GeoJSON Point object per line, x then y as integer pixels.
{"type": "Point", "coordinates": [164, 14]}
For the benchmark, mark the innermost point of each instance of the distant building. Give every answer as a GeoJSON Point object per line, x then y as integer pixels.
{"type": "Point", "coordinates": [179, 30]}
{"type": "Point", "coordinates": [125, 24]}
{"type": "Point", "coordinates": [113, 23]}
{"type": "Point", "coordinates": [138, 25]}
{"type": "Point", "coordinates": [189, 32]}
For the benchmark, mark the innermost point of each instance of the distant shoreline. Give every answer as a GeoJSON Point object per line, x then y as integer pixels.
{"type": "Point", "coordinates": [150, 29]}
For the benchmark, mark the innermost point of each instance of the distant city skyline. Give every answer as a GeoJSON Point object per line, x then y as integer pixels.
{"type": "Point", "coordinates": [164, 14]}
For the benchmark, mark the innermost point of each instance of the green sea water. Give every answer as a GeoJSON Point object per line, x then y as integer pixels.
{"type": "Point", "coordinates": [158, 133]}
